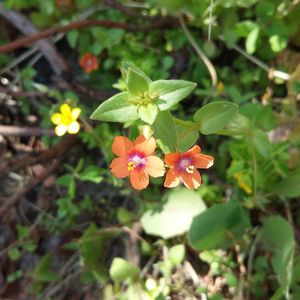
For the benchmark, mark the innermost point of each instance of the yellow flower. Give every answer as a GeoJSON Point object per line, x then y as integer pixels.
{"type": "Point", "coordinates": [242, 182]}
{"type": "Point", "coordinates": [66, 120]}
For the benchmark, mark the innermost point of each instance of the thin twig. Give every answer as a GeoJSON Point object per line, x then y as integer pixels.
{"type": "Point", "coordinates": [23, 161]}
{"type": "Point", "coordinates": [200, 53]}
{"type": "Point", "coordinates": [20, 21]}
{"type": "Point", "coordinates": [19, 195]}
{"type": "Point", "coordinates": [83, 24]}
{"type": "Point", "coordinates": [8, 130]}
{"type": "Point", "coordinates": [272, 73]}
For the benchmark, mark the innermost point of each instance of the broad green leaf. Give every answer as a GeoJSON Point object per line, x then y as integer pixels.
{"type": "Point", "coordinates": [219, 226]}
{"type": "Point", "coordinates": [261, 143]}
{"type": "Point", "coordinates": [93, 245]}
{"type": "Point", "coordinates": [176, 254]}
{"type": "Point", "coordinates": [116, 109]}
{"type": "Point", "coordinates": [215, 116]}
{"type": "Point", "coordinates": [278, 43]}
{"type": "Point", "coordinates": [187, 135]}
{"type": "Point", "coordinates": [43, 272]}
{"type": "Point", "coordinates": [251, 41]}
{"type": "Point", "coordinates": [170, 92]}
{"type": "Point", "coordinates": [165, 132]}
{"type": "Point", "coordinates": [91, 173]}
{"type": "Point", "coordinates": [136, 83]}
{"type": "Point", "coordinates": [265, 9]}
{"type": "Point", "coordinates": [277, 235]}
{"type": "Point", "coordinates": [125, 68]}
{"type": "Point", "coordinates": [180, 204]}
{"type": "Point", "coordinates": [72, 37]}
{"type": "Point", "coordinates": [121, 270]}
{"type": "Point", "coordinates": [239, 125]}
{"type": "Point", "coordinates": [148, 112]}
{"type": "Point", "coordinates": [290, 186]}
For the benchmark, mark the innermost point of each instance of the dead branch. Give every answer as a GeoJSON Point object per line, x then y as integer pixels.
{"type": "Point", "coordinates": [19, 195]}
{"type": "Point", "coordinates": [8, 130]}
{"type": "Point", "coordinates": [56, 61]}
{"type": "Point", "coordinates": [23, 161]}
{"type": "Point", "coordinates": [162, 23]}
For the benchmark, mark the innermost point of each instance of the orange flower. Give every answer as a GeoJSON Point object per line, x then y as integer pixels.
{"type": "Point", "coordinates": [183, 167]}
{"type": "Point", "coordinates": [136, 160]}
{"type": "Point", "coordinates": [89, 63]}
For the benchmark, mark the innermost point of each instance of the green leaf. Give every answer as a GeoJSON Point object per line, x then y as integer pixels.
{"type": "Point", "coordinates": [72, 37]}
{"type": "Point", "coordinates": [176, 254]}
{"type": "Point", "coordinates": [136, 83]}
{"type": "Point", "coordinates": [121, 270]}
{"type": "Point", "coordinates": [261, 143]}
{"type": "Point", "coordinates": [277, 234]}
{"type": "Point", "coordinates": [23, 231]}
{"type": "Point", "coordinates": [215, 116]}
{"type": "Point", "coordinates": [43, 272]}
{"type": "Point", "coordinates": [14, 253]}
{"type": "Point", "coordinates": [251, 41]}
{"type": "Point", "coordinates": [93, 245]}
{"type": "Point", "coordinates": [125, 69]}
{"type": "Point", "coordinates": [165, 132]}
{"type": "Point", "coordinates": [170, 92]}
{"type": "Point", "coordinates": [116, 109]}
{"type": "Point", "coordinates": [187, 135]}
{"type": "Point", "coordinates": [219, 226]}
{"type": "Point", "coordinates": [68, 181]}
{"type": "Point", "coordinates": [180, 204]}
{"type": "Point", "coordinates": [290, 187]}
{"type": "Point", "coordinates": [266, 119]}
{"type": "Point", "coordinates": [239, 125]}
{"type": "Point", "coordinates": [278, 43]}
{"type": "Point", "coordinates": [148, 112]}
{"type": "Point", "coordinates": [125, 216]}
{"type": "Point", "coordinates": [92, 174]}
{"type": "Point", "coordinates": [265, 9]}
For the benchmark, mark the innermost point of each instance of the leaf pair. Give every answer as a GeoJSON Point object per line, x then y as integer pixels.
{"type": "Point", "coordinates": [144, 98]}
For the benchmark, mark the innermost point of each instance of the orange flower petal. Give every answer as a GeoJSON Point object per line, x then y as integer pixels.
{"type": "Point", "coordinates": [203, 161]}
{"type": "Point", "coordinates": [139, 179]}
{"type": "Point", "coordinates": [194, 150]}
{"type": "Point", "coordinates": [119, 167]}
{"type": "Point", "coordinates": [155, 166]}
{"type": "Point", "coordinates": [171, 158]}
{"type": "Point", "coordinates": [172, 180]}
{"type": "Point", "coordinates": [191, 180]}
{"type": "Point", "coordinates": [146, 146]}
{"type": "Point", "coordinates": [121, 145]}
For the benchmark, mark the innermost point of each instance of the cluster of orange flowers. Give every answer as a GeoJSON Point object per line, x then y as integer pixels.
{"type": "Point", "coordinates": [136, 160]}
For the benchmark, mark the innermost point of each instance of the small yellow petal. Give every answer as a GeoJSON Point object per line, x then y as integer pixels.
{"type": "Point", "coordinates": [73, 127]}
{"type": "Point", "coordinates": [65, 109]}
{"type": "Point", "coordinates": [56, 118]}
{"type": "Point", "coordinates": [75, 113]}
{"type": "Point", "coordinates": [60, 129]}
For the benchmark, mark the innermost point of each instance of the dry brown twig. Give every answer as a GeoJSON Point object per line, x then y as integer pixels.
{"type": "Point", "coordinates": [8, 130]}
{"type": "Point", "coordinates": [20, 194]}
{"type": "Point", "coordinates": [166, 22]}
{"type": "Point", "coordinates": [25, 26]}
{"type": "Point", "coordinates": [23, 161]}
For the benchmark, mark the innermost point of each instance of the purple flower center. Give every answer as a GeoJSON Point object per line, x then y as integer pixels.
{"type": "Point", "coordinates": [185, 164]}
{"type": "Point", "coordinates": [136, 160]}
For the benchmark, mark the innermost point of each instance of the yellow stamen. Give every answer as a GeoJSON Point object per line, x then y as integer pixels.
{"type": "Point", "coordinates": [131, 165]}
{"type": "Point", "coordinates": [190, 169]}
